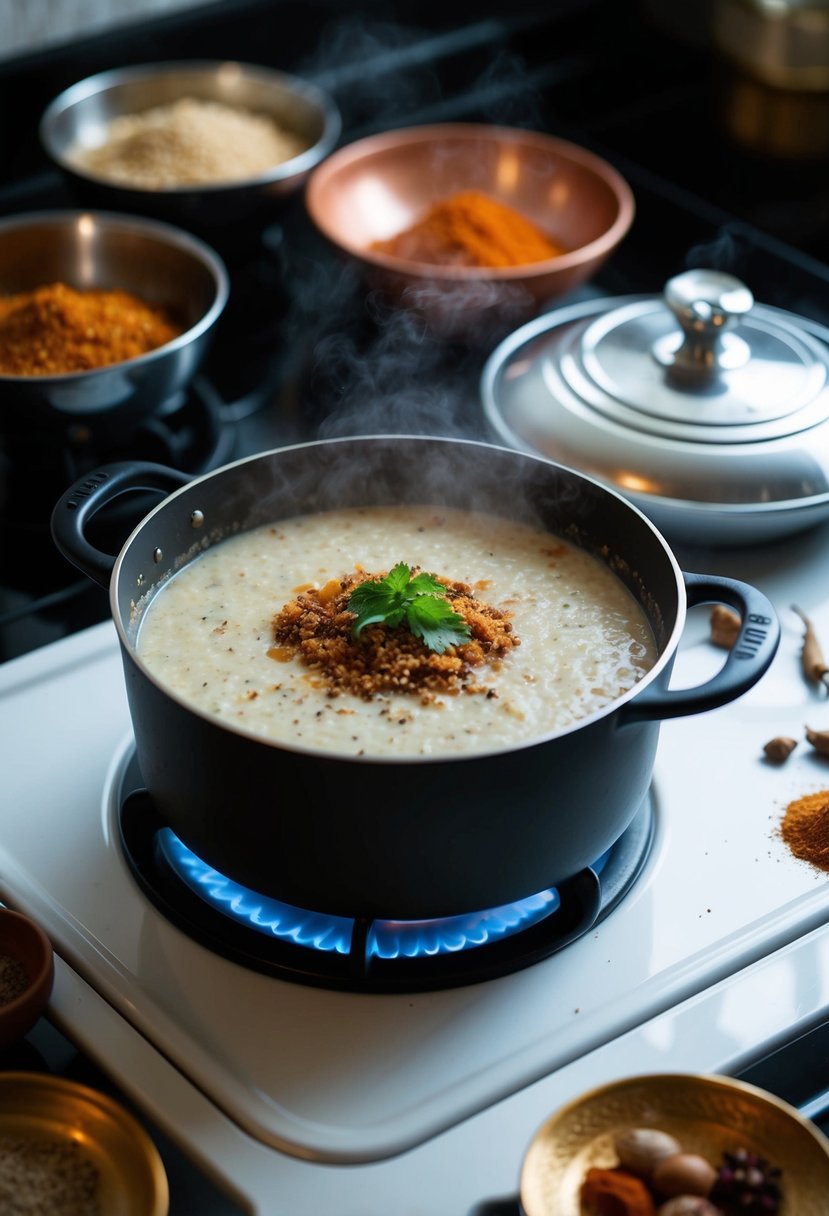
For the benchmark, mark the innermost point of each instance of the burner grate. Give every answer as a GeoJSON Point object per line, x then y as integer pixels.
{"type": "Point", "coordinates": [359, 953]}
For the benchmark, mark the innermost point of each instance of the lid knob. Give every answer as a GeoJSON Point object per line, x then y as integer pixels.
{"type": "Point", "coordinates": [708, 305]}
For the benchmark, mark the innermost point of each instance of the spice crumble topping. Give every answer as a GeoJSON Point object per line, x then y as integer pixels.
{"type": "Point", "coordinates": [317, 627]}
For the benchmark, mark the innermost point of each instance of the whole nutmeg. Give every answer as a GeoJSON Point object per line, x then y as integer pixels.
{"type": "Point", "coordinates": [688, 1205]}
{"type": "Point", "coordinates": [640, 1149]}
{"type": "Point", "coordinates": [683, 1174]}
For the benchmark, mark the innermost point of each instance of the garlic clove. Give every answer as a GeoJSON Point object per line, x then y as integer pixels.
{"type": "Point", "coordinates": [640, 1149]}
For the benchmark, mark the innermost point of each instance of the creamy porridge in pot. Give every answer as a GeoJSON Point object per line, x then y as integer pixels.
{"type": "Point", "coordinates": [574, 638]}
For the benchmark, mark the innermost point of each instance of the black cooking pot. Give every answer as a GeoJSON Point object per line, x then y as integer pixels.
{"type": "Point", "coordinates": [403, 838]}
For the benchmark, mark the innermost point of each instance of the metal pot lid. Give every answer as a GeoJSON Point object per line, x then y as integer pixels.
{"type": "Point", "coordinates": [699, 394]}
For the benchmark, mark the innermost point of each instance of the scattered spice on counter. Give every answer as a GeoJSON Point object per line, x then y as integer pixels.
{"type": "Point", "coordinates": [615, 1192]}
{"type": "Point", "coordinates": [190, 142]}
{"type": "Point", "coordinates": [471, 228]}
{"type": "Point", "coordinates": [56, 329]}
{"type": "Point", "coordinates": [815, 668]}
{"type": "Point", "coordinates": [47, 1176]}
{"type": "Point", "coordinates": [805, 828]}
{"type": "Point", "coordinates": [778, 749]}
{"type": "Point", "coordinates": [13, 979]}
{"type": "Point", "coordinates": [725, 626]}
{"type": "Point", "coordinates": [319, 627]}
{"type": "Point", "coordinates": [819, 740]}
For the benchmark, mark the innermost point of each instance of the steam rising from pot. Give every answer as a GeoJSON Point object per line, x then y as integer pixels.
{"type": "Point", "coordinates": [371, 367]}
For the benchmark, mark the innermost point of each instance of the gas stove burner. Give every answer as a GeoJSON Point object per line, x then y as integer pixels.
{"type": "Point", "coordinates": [386, 939]}
{"type": "Point", "coordinates": [360, 953]}
{"type": "Point", "coordinates": [192, 432]}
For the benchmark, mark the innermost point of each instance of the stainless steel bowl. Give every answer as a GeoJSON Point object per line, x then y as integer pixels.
{"type": "Point", "coordinates": [156, 262]}
{"type": "Point", "coordinates": [79, 118]}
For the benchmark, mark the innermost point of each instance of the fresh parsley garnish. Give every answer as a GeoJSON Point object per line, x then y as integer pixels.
{"type": "Point", "coordinates": [419, 601]}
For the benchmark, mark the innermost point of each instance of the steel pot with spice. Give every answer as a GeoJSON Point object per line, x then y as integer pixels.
{"type": "Point", "coordinates": [216, 146]}
{"type": "Point", "coordinates": [103, 317]}
{"type": "Point", "coordinates": [400, 677]}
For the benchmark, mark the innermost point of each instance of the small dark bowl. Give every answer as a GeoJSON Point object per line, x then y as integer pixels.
{"type": "Point", "coordinates": [80, 116]}
{"type": "Point", "coordinates": [156, 262]}
{"type": "Point", "coordinates": [22, 940]}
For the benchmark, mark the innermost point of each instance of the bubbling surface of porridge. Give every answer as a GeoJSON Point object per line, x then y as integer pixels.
{"type": "Point", "coordinates": [582, 640]}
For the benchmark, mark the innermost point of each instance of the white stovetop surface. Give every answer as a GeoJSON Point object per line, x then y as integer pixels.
{"type": "Point", "coordinates": [344, 1102]}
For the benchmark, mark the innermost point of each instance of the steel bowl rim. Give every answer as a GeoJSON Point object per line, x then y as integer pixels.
{"type": "Point", "coordinates": [169, 235]}
{"type": "Point", "coordinates": [566, 149]}
{"type": "Point", "coordinates": [101, 82]}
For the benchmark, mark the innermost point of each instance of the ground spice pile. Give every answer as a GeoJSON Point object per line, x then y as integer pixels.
{"type": "Point", "coordinates": [471, 229]}
{"type": "Point", "coordinates": [47, 1178]}
{"type": "Point", "coordinates": [614, 1192]}
{"type": "Point", "coordinates": [13, 979]}
{"type": "Point", "coordinates": [56, 329]}
{"type": "Point", "coordinates": [188, 143]}
{"type": "Point", "coordinates": [805, 828]}
{"type": "Point", "coordinates": [317, 627]}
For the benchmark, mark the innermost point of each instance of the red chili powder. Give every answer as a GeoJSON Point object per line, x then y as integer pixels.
{"type": "Point", "coordinates": [805, 828]}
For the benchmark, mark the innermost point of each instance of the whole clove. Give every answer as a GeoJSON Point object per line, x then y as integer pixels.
{"type": "Point", "coordinates": [819, 740]}
{"type": "Point", "coordinates": [815, 667]}
{"type": "Point", "coordinates": [725, 626]}
{"type": "Point", "coordinates": [779, 748]}
{"type": "Point", "coordinates": [746, 1182]}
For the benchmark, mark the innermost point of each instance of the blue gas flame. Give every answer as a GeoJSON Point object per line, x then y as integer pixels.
{"type": "Point", "coordinates": [387, 939]}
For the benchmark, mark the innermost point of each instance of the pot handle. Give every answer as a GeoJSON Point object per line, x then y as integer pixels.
{"type": "Point", "coordinates": [85, 497]}
{"type": "Point", "coordinates": [747, 660]}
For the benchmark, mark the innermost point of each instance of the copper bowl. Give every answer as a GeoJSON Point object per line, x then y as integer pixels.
{"type": "Point", "coordinates": [25, 950]}
{"type": "Point", "coordinates": [706, 1114]}
{"type": "Point", "coordinates": [53, 1122]}
{"type": "Point", "coordinates": [376, 187]}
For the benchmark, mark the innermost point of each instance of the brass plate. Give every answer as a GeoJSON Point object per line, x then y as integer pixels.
{"type": "Point", "coordinates": [132, 1179]}
{"type": "Point", "coordinates": [707, 1114]}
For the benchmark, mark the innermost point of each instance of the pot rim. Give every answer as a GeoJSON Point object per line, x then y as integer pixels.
{"type": "Point", "coordinates": [127, 635]}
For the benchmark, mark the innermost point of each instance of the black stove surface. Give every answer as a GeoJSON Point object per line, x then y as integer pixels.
{"type": "Point", "coordinates": [302, 351]}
